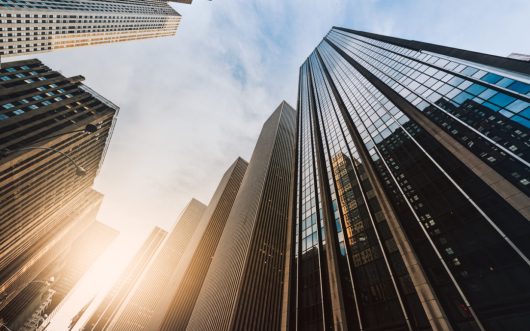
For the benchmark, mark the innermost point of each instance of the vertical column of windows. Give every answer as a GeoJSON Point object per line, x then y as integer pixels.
{"type": "Point", "coordinates": [311, 310]}
{"type": "Point", "coordinates": [376, 259]}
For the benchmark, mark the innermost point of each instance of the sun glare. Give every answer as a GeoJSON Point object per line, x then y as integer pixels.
{"type": "Point", "coordinates": [96, 283]}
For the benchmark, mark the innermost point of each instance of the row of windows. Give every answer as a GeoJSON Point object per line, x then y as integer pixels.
{"type": "Point", "coordinates": [145, 7]}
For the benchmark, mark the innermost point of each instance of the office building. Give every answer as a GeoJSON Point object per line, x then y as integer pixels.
{"type": "Point", "coordinates": [143, 301]}
{"type": "Point", "coordinates": [114, 300]}
{"type": "Point", "coordinates": [243, 287]}
{"type": "Point", "coordinates": [39, 183]}
{"type": "Point", "coordinates": [35, 26]}
{"type": "Point", "coordinates": [184, 287]}
{"type": "Point", "coordinates": [41, 296]}
{"type": "Point", "coordinates": [412, 178]}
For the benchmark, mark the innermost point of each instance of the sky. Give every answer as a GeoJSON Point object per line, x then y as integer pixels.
{"type": "Point", "coordinates": [192, 103]}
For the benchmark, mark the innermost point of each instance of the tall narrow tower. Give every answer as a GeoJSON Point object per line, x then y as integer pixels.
{"type": "Point", "coordinates": [413, 181]}
{"type": "Point", "coordinates": [243, 288]}
{"type": "Point", "coordinates": [147, 294]}
{"type": "Point", "coordinates": [115, 299]}
{"type": "Point", "coordinates": [181, 294]}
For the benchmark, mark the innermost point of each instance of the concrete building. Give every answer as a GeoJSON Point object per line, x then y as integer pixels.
{"type": "Point", "coordinates": [243, 287]}
{"type": "Point", "coordinates": [48, 163]}
{"type": "Point", "coordinates": [35, 26]}
{"type": "Point", "coordinates": [177, 303]}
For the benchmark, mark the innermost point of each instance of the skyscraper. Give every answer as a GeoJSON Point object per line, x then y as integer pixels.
{"type": "Point", "coordinates": [34, 26]}
{"type": "Point", "coordinates": [412, 178]}
{"type": "Point", "coordinates": [178, 301]}
{"type": "Point", "coordinates": [42, 191]}
{"type": "Point", "coordinates": [109, 307]}
{"type": "Point", "coordinates": [243, 287]}
{"type": "Point", "coordinates": [144, 299]}
{"type": "Point", "coordinates": [52, 285]}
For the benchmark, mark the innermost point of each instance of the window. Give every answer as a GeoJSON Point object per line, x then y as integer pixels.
{"type": "Point", "coordinates": [18, 112]}
{"type": "Point", "coordinates": [502, 99]}
{"type": "Point", "coordinates": [519, 87]}
{"type": "Point", "coordinates": [462, 97]}
{"type": "Point", "coordinates": [468, 71]}
{"type": "Point", "coordinates": [8, 106]}
{"type": "Point", "coordinates": [475, 89]}
{"type": "Point", "coordinates": [3, 117]}
{"type": "Point", "coordinates": [491, 78]}
{"type": "Point", "coordinates": [517, 106]}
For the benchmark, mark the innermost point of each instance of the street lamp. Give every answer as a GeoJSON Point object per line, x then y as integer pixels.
{"type": "Point", "coordinates": [79, 171]}
{"type": "Point", "coordinates": [89, 128]}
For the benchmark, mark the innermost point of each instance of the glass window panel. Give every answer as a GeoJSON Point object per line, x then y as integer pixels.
{"type": "Point", "coordinates": [487, 94]}
{"type": "Point", "coordinates": [519, 87]}
{"type": "Point", "coordinates": [476, 89]}
{"type": "Point", "coordinates": [506, 113]}
{"type": "Point", "coordinates": [491, 78]}
{"type": "Point", "coordinates": [462, 97]}
{"type": "Point", "coordinates": [469, 71]}
{"type": "Point", "coordinates": [502, 99]}
{"type": "Point", "coordinates": [525, 113]}
{"type": "Point", "coordinates": [517, 106]}
{"type": "Point", "coordinates": [456, 81]}
{"type": "Point", "coordinates": [505, 82]}
{"type": "Point", "coordinates": [491, 106]}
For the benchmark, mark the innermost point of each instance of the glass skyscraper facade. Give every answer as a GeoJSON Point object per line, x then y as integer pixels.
{"type": "Point", "coordinates": [412, 209]}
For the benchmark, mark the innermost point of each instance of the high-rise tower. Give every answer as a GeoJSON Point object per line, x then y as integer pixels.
{"type": "Point", "coordinates": [412, 179]}
{"type": "Point", "coordinates": [34, 26]}
{"type": "Point", "coordinates": [243, 287]}
{"type": "Point", "coordinates": [43, 147]}
{"type": "Point", "coordinates": [184, 287]}
{"type": "Point", "coordinates": [115, 299]}
{"type": "Point", "coordinates": [139, 308]}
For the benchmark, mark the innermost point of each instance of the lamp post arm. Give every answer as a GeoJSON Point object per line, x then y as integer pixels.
{"type": "Point", "coordinates": [47, 149]}
{"type": "Point", "coordinates": [80, 170]}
